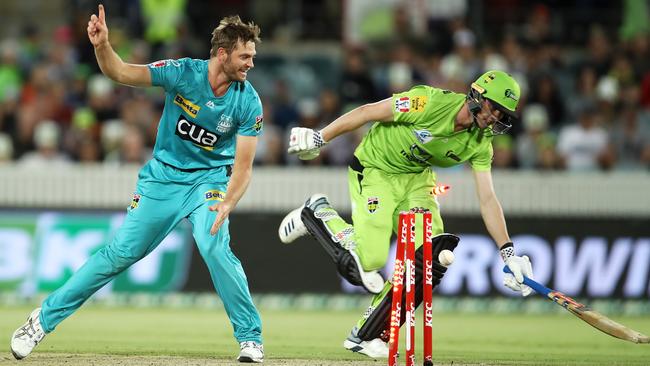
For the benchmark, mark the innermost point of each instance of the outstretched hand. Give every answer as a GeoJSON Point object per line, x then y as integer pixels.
{"type": "Point", "coordinates": [97, 29]}
{"type": "Point", "coordinates": [223, 210]}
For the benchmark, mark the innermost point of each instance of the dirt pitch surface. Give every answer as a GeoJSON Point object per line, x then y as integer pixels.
{"type": "Point", "coordinates": [66, 359]}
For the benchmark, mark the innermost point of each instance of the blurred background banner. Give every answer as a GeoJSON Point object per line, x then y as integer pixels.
{"type": "Point", "coordinates": [586, 257]}
{"type": "Point", "coordinates": [573, 176]}
{"type": "Point", "coordinates": [40, 251]}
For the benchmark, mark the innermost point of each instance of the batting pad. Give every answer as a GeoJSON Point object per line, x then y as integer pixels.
{"type": "Point", "coordinates": [377, 322]}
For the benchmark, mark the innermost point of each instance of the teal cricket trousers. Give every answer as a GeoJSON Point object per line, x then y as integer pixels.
{"type": "Point", "coordinates": [164, 196]}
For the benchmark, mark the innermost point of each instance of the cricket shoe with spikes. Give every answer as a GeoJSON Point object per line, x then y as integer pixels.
{"type": "Point", "coordinates": [28, 336]}
{"type": "Point", "coordinates": [251, 352]}
{"type": "Point", "coordinates": [375, 348]}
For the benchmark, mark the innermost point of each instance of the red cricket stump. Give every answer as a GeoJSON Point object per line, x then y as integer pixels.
{"type": "Point", "coordinates": [410, 292]}
{"type": "Point", "coordinates": [398, 282]}
{"type": "Point", "coordinates": [427, 293]}
{"type": "Point", "coordinates": [405, 271]}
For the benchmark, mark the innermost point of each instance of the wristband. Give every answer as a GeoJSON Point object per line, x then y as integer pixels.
{"type": "Point", "coordinates": [319, 141]}
{"type": "Point", "coordinates": [507, 250]}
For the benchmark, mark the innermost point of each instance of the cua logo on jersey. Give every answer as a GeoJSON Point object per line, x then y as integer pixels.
{"type": "Point", "coordinates": [196, 134]}
{"type": "Point", "coordinates": [403, 104]}
{"type": "Point", "coordinates": [373, 203]}
{"type": "Point", "coordinates": [215, 195]}
{"type": "Point", "coordinates": [189, 107]}
{"type": "Point", "coordinates": [225, 124]}
{"type": "Point", "coordinates": [259, 123]}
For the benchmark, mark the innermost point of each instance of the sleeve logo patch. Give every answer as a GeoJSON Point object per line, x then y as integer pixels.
{"type": "Point", "coordinates": [135, 201]}
{"type": "Point", "coordinates": [403, 104]}
{"type": "Point", "coordinates": [189, 107]}
{"type": "Point", "coordinates": [163, 63]}
{"type": "Point", "coordinates": [259, 123]}
{"type": "Point", "coordinates": [157, 64]}
{"type": "Point", "coordinates": [215, 195]}
{"type": "Point", "coordinates": [418, 103]}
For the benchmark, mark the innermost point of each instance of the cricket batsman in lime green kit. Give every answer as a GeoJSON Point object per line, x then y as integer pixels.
{"type": "Point", "coordinates": [202, 163]}
{"type": "Point", "coordinates": [391, 172]}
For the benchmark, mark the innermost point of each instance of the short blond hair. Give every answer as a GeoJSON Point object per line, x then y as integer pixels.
{"type": "Point", "coordinates": [231, 30]}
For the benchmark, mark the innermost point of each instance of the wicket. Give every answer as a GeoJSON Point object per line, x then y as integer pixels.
{"type": "Point", "coordinates": [405, 268]}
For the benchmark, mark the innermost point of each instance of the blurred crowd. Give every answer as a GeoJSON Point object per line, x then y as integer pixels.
{"type": "Point", "coordinates": [586, 106]}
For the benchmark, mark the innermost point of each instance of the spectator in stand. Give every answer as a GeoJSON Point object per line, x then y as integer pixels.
{"type": "Point", "coordinates": [504, 156]}
{"type": "Point", "coordinates": [6, 148]}
{"type": "Point", "coordinates": [357, 87]}
{"type": "Point", "coordinates": [463, 64]}
{"type": "Point", "coordinates": [599, 50]}
{"type": "Point", "coordinates": [533, 144]}
{"type": "Point", "coordinates": [11, 80]}
{"type": "Point", "coordinates": [47, 135]}
{"type": "Point", "coordinates": [112, 133]}
{"type": "Point", "coordinates": [132, 148]}
{"type": "Point", "coordinates": [340, 153]}
{"type": "Point", "coordinates": [102, 98]}
{"type": "Point", "coordinates": [309, 112]}
{"type": "Point", "coordinates": [544, 90]}
{"type": "Point", "coordinates": [584, 145]}
{"type": "Point", "coordinates": [270, 145]}
{"type": "Point", "coordinates": [585, 90]}
{"type": "Point", "coordinates": [631, 140]}
{"type": "Point", "coordinates": [284, 110]}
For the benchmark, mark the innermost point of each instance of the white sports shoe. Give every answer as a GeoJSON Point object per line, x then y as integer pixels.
{"type": "Point", "coordinates": [292, 227]}
{"type": "Point", "coordinates": [375, 348]}
{"type": "Point", "coordinates": [28, 336]}
{"type": "Point", "coordinates": [251, 352]}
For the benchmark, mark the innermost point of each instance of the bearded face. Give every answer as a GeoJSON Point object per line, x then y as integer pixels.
{"type": "Point", "coordinates": [239, 61]}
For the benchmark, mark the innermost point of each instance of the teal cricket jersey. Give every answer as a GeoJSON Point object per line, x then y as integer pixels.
{"type": "Point", "coordinates": [197, 130]}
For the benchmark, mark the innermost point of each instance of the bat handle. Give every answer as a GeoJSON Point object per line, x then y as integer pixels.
{"type": "Point", "coordinates": [538, 287]}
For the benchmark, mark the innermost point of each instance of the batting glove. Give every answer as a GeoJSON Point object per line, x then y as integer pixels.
{"type": "Point", "coordinates": [520, 267]}
{"type": "Point", "coordinates": [305, 143]}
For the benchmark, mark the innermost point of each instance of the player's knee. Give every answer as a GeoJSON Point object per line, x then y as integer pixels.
{"type": "Point", "coordinates": [120, 258]}
{"type": "Point", "coordinates": [372, 260]}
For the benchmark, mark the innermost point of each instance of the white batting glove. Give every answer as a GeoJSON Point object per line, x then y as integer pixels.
{"type": "Point", "coordinates": [520, 267]}
{"type": "Point", "coordinates": [305, 143]}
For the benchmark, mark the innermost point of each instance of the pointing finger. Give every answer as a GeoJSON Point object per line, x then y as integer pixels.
{"type": "Point", "coordinates": [102, 15]}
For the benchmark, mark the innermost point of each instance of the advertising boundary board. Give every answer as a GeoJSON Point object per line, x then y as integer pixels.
{"type": "Point", "coordinates": [583, 257]}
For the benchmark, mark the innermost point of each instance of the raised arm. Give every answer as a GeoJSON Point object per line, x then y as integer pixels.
{"type": "Point", "coordinates": [306, 143]}
{"type": "Point", "coordinates": [109, 62]}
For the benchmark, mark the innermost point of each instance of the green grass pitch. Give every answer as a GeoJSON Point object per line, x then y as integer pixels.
{"type": "Point", "coordinates": [194, 336]}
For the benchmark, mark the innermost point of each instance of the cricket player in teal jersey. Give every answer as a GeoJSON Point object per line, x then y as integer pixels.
{"type": "Point", "coordinates": [201, 166]}
{"type": "Point", "coordinates": [391, 172]}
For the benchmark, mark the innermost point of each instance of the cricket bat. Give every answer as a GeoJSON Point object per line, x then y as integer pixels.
{"type": "Point", "coordinates": [584, 312]}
